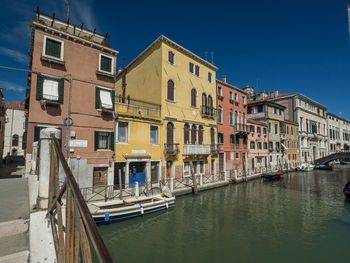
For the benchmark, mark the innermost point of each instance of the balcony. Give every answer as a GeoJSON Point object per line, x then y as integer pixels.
{"type": "Point", "coordinates": [241, 129]}
{"type": "Point", "coordinates": [208, 112]}
{"type": "Point", "coordinates": [196, 149]}
{"type": "Point", "coordinates": [137, 109]}
{"type": "Point", "coordinates": [214, 148]}
{"type": "Point", "coordinates": [171, 149]}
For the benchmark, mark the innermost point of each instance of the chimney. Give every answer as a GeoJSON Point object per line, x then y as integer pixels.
{"type": "Point", "coordinates": [249, 90]}
{"type": "Point", "coordinates": [119, 70]}
{"type": "Point", "coordinates": [224, 79]}
{"type": "Point", "coordinates": [274, 94]}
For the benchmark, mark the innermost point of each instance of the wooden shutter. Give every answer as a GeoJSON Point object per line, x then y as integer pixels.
{"type": "Point", "coordinates": [170, 93]}
{"type": "Point", "coordinates": [96, 140]}
{"type": "Point", "coordinates": [113, 99]}
{"type": "Point", "coordinates": [200, 135]}
{"type": "Point", "coordinates": [193, 134]}
{"type": "Point", "coordinates": [186, 134]}
{"type": "Point", "coordinates": [36, 133]}
{"type": "Point", "coordinates": [212, 136]}
{"type": "Point", "coordinates": [111, 141]}
{"type": "Point", "coordinates": [97, 99]}
{"type": "Point", "coordinates": [39, 87]}
{"type": "Point", "coordinates": [60, 90]}
{"type": "Point", "coordinates": [193, 98]}
{"type": "Point", "coordinates": [170, 133]}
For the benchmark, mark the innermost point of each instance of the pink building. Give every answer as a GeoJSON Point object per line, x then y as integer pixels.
{"type": "Point", "coordinates": [257, 144]}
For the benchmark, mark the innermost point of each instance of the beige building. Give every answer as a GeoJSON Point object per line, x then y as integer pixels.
{"type": "Point", "coordinates": [339, 133]}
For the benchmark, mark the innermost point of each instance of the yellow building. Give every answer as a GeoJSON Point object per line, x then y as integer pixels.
{"type": "Point", "coordinates": [166, 100]}
{"type": "Point", "coordinates": [289, 138]}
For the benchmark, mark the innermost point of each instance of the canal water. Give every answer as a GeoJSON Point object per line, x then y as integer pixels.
{"type": "Point", "coordinates": [301, 218]}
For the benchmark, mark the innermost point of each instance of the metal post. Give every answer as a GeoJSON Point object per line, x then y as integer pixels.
{"type": "Point", "coordinates": [120, 184]}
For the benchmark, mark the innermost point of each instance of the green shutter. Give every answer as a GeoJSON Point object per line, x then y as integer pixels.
{"type": "Point", "coordinates": [111, 141]}
{"type": "Point", "coordinates": [97, 99]}
{"type": "Point", "coordinates": [36, 133]}
{"type": "Point", "coordinates": [60, 90]}
{"type": "Point", "coordinates": [53, 48]}
{"type": "Point", "coordinates": [39, 87]}
{"type": "Point", "coordinates": [106, 64]}
{"type": "Point", "coordinates": [113, 99]}
{"type": "Point", "coordinates": [96, 140]}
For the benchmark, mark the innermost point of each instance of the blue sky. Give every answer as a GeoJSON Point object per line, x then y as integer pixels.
{"type": "Point", "coordinates": [293, 46]}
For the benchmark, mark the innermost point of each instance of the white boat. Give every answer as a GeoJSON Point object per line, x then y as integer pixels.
{"type": "Point", "coordinates": [116, 210]}
{"type": "Point", "coordinates": [305, 167]}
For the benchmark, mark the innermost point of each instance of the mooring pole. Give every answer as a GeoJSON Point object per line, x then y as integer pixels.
{"type": "Point", "coordinates": [194, 183]}
{"type": "Point", "coordinates": [120, 184]}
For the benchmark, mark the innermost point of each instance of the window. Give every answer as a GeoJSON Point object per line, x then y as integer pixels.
{"type": "Point", "coordinates": [232, 138]}
{"type": "Point", "coordinates": [193, 98]}
{"type": "Point", "coordinates": [278, 146]}
{"type": "Point", "coordinates": [275, 110]}
{"type": "Point", "coordinates": [269, 127]}
{"type": "Point", "coordinates": [171, 58]}
{"type": "Point", "coordinates": [53, 48]}
{"type": "Point", "coordinates": [154, 135]}
{"type": "Point", "coordinates": [276, 128]}
{"type": "Point", "coordinates": [15, 139]}
{"type": "Point", "coordinates": [210, 77]}
{"type": "Point", "coordinates": [191, 67]}
{"type": "Point", "coordinates": [219, 115]}
{"type": "Point", "coordinates": [245, 140]}
{"type": "Point", "coordinates": [265, 145]}
{"type": "Point", "coordinates": [260, 108]}
{"type": "Point", "coordinates": [259, 130]}
{"type": "Point", "coordinates": [50, 89]}
{"type": "Point", "coordinates": [200, 134]}
{"type": "Point", "coordinates": [219, 91]}
{"type": "Point", "coordinates": [220, 138]}
{"type": "Point", "coordinates": [194, 134]}
{"type": "Point", "coordinates": [271, 146]}
{"type": "Point", "coordinates": [236, 97]}
{"type": "Point", "coordinates": [287, 129]}
{"type": "Point", "coordinates": [230, 94]}
{"type": "Point", "coordinates": [196, 70]}
{"type": "Point", "coordinates": [122, 132]}
{"type": "Point", "coordinates": [104, 99]}
{"type": "Point", "coordinates": [232, 155]}
{"type": "Point", "coordinates": [186, 168]}
{"type": "Point", "coordinates": [106, 64]}
{"type": "Point", "coordinates": [237, 156]}
{"type": "Point", "coordinates": [201, 167]}
{"type": "Point", "coordinates": [237, 140]}
{"type": "Point", "coordinates": [104, 140]}
{"type": "Point", "coordinates": [231, 117]}
{"type": "Point", "coordinates": [171, 90]}
{"type": "Point", "coordinates": [252, 145]}
{"type": "Point", "coordinates": [243, 99]}
{"type": "Point", "coordinates": [194, 163]}
{"type": "Point", "coordinates": [259, 145]}
{"type": "Point", "coordinates": [280, 112]}
{"type": "Point", "coordinates": [186, 133]}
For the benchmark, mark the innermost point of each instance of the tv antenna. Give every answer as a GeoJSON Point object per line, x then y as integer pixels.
{"type": "Point", "coordinates": [66, 2]}
{"type": "Point", "coordinates": [212, 57]}
{"type": "Point", "coordinates": [206, 55]}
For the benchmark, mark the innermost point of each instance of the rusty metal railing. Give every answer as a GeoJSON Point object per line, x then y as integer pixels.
{"type": "Point", "coordinates": [71, 239]}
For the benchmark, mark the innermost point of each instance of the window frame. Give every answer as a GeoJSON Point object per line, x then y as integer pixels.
{"type": "Point", "coordinates": [167, 98]}
{"type": "Point", "coordinates": [107, 140]}
{"type": "Point", "coordinates": [58, 92]}
{"type": "Point", "coordinates": [62, 48]}
{"type": "Point", "coordinates": [117, 133]}
{"type": "Point", "coordinates": [210, 77]}
{"type": "Point", "coordinates": [157, 139]}
{"type": "Point", "coordinates": [189, 67]}
{"type": "Point", "coordinates": [111, 92]}
{"type": "Point", "coordinates": [174, 62]}
{"type": "Point", "coordinates": [112, 64]}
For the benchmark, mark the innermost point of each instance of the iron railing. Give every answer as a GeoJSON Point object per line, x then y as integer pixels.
{"type": "Point", "coordinates": [208, 112]}
{"type": "Point", "coordinates": [71, 239]}
{"type": "Point", "coordinates": [171, 148]}
{"type": "Point", "coordinates": [241, 128]}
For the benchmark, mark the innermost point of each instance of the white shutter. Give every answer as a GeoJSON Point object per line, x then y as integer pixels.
{"type": "Point", "coordinates": [106, 99]}
{"type": "Point", "coordinates": [50, 89]}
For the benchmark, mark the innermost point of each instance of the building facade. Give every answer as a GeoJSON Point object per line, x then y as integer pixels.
{"type": "Point", "coordinates": [338, 133]}
{"type": "Point", "coordinates": [14, 139]}
{"type": "Point", "coordinates": [232, 126]}
{"type": "Point", "coordinates": [312, 124]}
{"type": "Point", "coordinates": [258, 140]}
{"type": "Point", "coordinates": [260, 108]}
{"type": "Point", "coordinates": [71, 88]}
{"type": "Point", "coordinates": [2, 122]}
{"type": "Point", "coordinates": [178, 89]}
{"type": "Point", "coordinates": [289, 142]}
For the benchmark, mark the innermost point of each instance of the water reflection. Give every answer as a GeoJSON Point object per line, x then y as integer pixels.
{"type": "Point", "coordinates": [300, 218]}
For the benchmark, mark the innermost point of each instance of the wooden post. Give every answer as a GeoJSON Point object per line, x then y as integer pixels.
{"type": "Point", "coordinates": [194, 183]}
{"type": "Point", "coordinates": [120, 184]}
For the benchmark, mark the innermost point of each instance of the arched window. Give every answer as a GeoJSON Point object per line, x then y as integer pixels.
{"type": "Point", "coordinates": [171, 90]}
{"type": "Point", "coordinates": [15, 138]}
{"type": "Point", "coordinates": [194, 134]}
{"type": "Point", "coordinates": [212, 136]}
{"type": "Point", "coordinates": [236, 118]}
{"type": "Point", "coordinates": [204, 103]}
{"type": "Point", "coordinates": [186, 133]}
{"type": "Point", "coordinates": [210, 105]}
{"type": "Point", "coordinates": [193, 98]}
{"type": "Point", "coordinates": [170, 133]}
{"type": "Point", "coordinates": [200, 134]}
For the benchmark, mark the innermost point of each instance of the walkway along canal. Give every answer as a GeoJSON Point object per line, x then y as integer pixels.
{"type": "Point", "coordinates": [301, 218]}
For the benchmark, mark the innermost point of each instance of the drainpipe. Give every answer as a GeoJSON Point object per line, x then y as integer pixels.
{"type": "Point", "coordinates": [68, 119]}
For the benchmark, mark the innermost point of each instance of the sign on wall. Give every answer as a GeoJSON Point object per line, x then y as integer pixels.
{"type": "Point", "coordinates": [78, 143]}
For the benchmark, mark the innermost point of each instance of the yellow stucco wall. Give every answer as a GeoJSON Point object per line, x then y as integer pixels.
{"type": "Point", "coordinates": [292, 149]}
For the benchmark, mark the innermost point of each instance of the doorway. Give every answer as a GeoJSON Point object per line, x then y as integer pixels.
{"type": "Point", "coordinates": [100, 178]}
{"type": "Point", "coordinates": [169, 169]}
{"type": "Point", "coordinates": [137, 174]}
{"type": "Point", "coordinates": [119, 167]}
{"type": "Point", "coordinates": [221, 162]}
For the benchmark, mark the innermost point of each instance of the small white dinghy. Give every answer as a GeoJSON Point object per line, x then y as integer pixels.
{"type": "Point", "coordinates": [305, 167]}
{"type": "Point", "coordinates": [116, 210]}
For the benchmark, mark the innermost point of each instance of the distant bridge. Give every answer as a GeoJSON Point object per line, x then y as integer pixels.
{"type": "Point", "coordinates": [333, 156]}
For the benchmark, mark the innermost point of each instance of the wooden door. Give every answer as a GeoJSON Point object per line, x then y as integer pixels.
{"type": "Point", "coordinates": [194, 134]}
{"type": "Point", "coordinates": [169, 166]}
{"type": "Point", "coordinates": [200, 135]}
{"type": "Point", "coordinates": [212, 136]}
{"type": "Point", "coordinates": [221, 162]}
{"type": "Point", "coordinates": [100, 177]}
{"type": "Point", "coordinates": [170, 133]}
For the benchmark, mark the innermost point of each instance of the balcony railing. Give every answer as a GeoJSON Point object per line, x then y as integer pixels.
{"type": "Point", "coordinates": [241, 128]}
{"type": "Point", "coordinates": [196, 149]}
{"type": "Point", "coordinates": [208, 112]}
{"type": "Point", "coordinates": [137, 108]}
{"type": "Point", "coordinates": [171, 148]}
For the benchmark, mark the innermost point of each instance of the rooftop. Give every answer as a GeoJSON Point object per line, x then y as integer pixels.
{"type": "Point", "coordinates": [15, 105]}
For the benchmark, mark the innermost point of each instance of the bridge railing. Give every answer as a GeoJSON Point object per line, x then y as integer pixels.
{"type": "Point", "coordinates": [345, 154]}
{"type": "Point", "coordinates": [73, 237]}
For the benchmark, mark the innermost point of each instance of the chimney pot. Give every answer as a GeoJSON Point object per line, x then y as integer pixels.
{"type": "Point", "coordinates": [224, 79]}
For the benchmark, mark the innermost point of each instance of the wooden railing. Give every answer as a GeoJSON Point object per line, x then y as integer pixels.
{"type": "Point", "coordinates": [71, 239]}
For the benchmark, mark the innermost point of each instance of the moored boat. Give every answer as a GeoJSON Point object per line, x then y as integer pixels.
{"type": "Point", "coordinates": [344, 162]}
{"type": "Point", "coordinates": [273, 175]}
{"type": "Point", "coordinates": [323, 166]}
{"type": "Point", "coordinates": [305, 167]}
{"type": "Point", "coordinates": [346, 191]}
{"type": "Point", "coordinates": [116, 210]}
